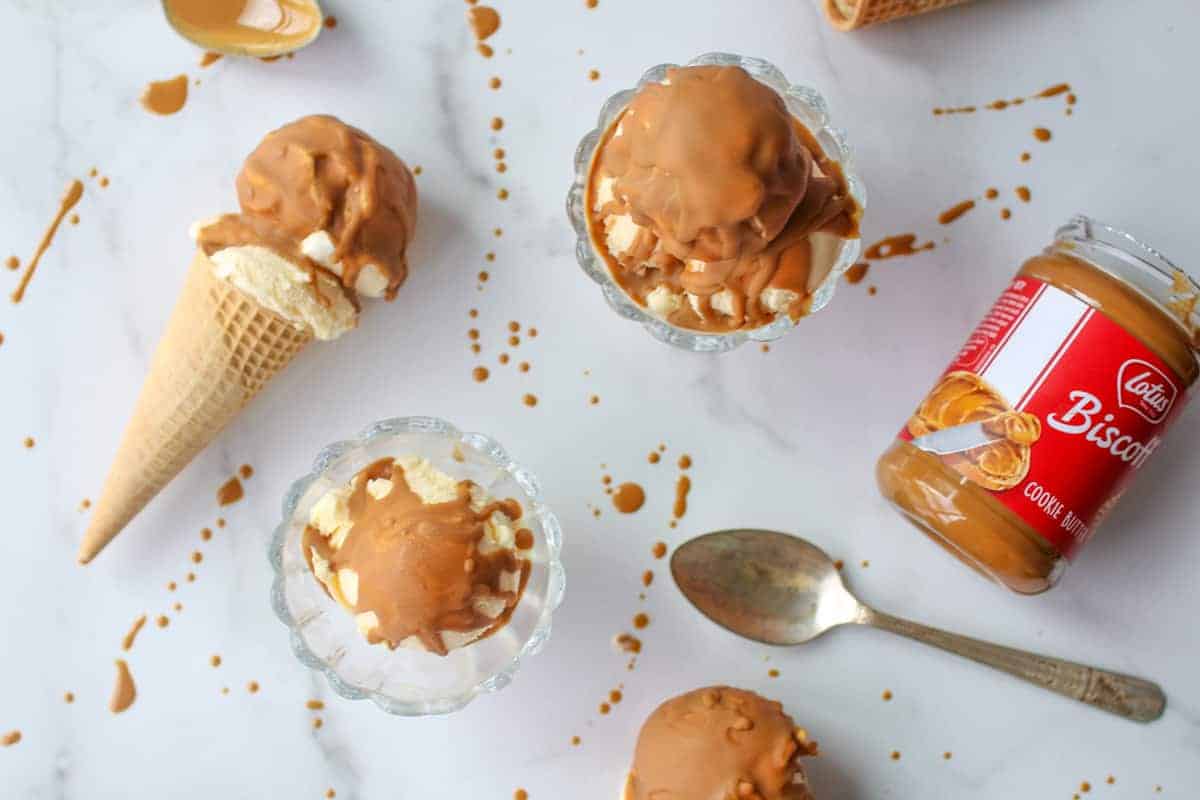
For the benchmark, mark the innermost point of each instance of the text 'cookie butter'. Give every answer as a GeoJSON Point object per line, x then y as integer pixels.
{"type": "Point", "coordinates": [1057, 399]}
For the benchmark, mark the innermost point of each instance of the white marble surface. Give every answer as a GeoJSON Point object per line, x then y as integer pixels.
{"type": "Point", "coordinates": [784, 440]}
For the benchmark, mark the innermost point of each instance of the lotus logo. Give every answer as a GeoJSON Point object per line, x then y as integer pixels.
{"type": "Point", "coordinates": [1145, 390]}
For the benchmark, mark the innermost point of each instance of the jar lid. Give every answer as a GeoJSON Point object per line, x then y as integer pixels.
{"type": "Point", "coordinates": [1138, 264]}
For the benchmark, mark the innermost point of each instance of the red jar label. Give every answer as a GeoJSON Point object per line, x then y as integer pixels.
{"type": "Point", "coordinates": [1051, 406]}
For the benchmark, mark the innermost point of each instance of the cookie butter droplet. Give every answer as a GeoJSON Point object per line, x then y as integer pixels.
{"type": "Point", "coordinates": [641, 621]}
{"type": "Point", "coordinates": [857, 272]}
{"type": "Point", "coordinates": [331, 21]}
{"type": "Point", "coordinates": [230, 492]}
{"type": "Point", "coordinates": [124, 691]}
{"type": "Point", "coordinates": [1042, 134]}
{"type": "Point", "coordinates": [530, 400]}
{"type": "Point", "coordinates": [954, 212]}
{"type": "Point", "coordinates": [659, 550]}
{"type": "Point", "coordinates": [165, 97]}
{"type": "Point", "coordinates": [1024, 194]}
{"type": "Point", "coordinates": [629, 497]}
{"type": "Point", "coordinates": [12, 262]}
{"type": "Point", "coordinates": [484, 21]}
{"type": "Point", "coordinates": [494, 83]}
{"type": "Point", "coordinates": [480, 374]}
{"type": "Point", "coordinates": [10, 738]}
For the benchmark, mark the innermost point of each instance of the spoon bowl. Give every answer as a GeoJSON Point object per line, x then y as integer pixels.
{"type": "Point", "coordinates": [259, 28]}
{"type": "Point", "coordinates": [766, 586]}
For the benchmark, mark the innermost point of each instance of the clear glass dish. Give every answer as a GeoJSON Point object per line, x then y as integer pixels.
{"type": "Point", "coordinates": [411, 682]}
{"type": "Point", "coordinates": [809, 107]}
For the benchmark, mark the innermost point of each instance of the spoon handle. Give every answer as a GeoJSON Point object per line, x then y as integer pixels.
{"type": "Point", "coordinates": [1124, 695]}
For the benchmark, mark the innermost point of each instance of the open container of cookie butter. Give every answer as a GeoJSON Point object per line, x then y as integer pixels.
{"type": "Point", "coordinates": [1059, 396]}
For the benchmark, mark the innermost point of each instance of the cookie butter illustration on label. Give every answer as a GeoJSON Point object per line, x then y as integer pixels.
{"type": "Point", "coordinates": [1065, 406]}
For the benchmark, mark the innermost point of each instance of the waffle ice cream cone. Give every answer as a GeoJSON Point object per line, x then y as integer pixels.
{"type": "Point", "coordinates": [848, 15]}
{"type": "Point", "coordinates": [219, 349]}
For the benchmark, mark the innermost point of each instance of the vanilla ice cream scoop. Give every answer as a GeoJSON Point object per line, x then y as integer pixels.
{"type": "Point", "coordinates": [719, 743]}
{"type": "Point", "coordinates": [713, 206]}
{"type": "Point", "coordinates": [419, 558]}
{"type": "Point", "coordinates": [327, 212]}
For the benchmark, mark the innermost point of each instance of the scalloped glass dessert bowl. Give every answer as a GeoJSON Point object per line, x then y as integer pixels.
{"type": "Point", "coordinates": [404, 681]}
{"type": "Point", "coordinates": [805, 104]}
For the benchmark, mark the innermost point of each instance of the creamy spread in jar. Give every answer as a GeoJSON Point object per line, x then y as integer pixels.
{"type": "Point", "coordinates": [1058, 397]}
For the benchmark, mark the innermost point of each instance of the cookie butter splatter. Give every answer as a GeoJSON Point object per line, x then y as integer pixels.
{"type": "Point", "coordinates": [629, 497]}
{"type": "Point", "coordinates": [682, 487]}
{"type": "Point", "coordinates": [69, 200]}
{"type": "Point", "coordinates": [124, 691]}
{"type": "Point", "coordinates": [131, 636]}
{"type": "Point", "coordinates": [659, 550]}
{"type": "Point", "coordinates": [628, 643]}
{"type": "Point", "coordinates": [1042, 134]}
{"type": "Point", "coordinates": [954, 212]}
{"type": "Point", "coordinates": [10, 738]}
{"type": "Point", "coordinates": [165, 97]}
{"type": "Point", "coordinates": [484, 21]}
{"type": "Point", "coordinates": [230, 492]}
{"type": "Point", "coordinates": [1057, 90]}
{"type": "Point", "coordinates": [857, 272]}
{"type": "Point", "coordinates": [904, 244]}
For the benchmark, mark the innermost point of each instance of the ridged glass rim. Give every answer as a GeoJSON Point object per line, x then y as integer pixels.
{"type": "Point", "coordinates": [1129, 259]}
{"type": "Point", "coordinates": [809, 107]}
{"type": "Point", "coordinates": [494, 452]}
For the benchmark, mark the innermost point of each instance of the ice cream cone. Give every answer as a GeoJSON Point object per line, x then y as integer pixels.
{"type": "Point", "coordinates": [848, 15]}
{"type": "Point", "coordinates": [219, 349]}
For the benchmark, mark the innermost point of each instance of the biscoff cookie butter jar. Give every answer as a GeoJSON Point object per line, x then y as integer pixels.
{"type": "Point", "coordinates": [1057, 399]}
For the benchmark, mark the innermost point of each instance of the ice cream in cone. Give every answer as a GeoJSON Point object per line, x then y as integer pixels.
{"type": "Point", "coordinates": [847, 15]}
{"type": "Point", "coordinates": [327, 216]}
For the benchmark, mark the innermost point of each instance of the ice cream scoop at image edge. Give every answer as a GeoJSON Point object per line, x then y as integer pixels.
{"type": "Point", "coordinates": [262, 285]}
{"type": "Point", "coordinates": [805, 106]}
{"type": "Point", "coordinates": [411, 681]}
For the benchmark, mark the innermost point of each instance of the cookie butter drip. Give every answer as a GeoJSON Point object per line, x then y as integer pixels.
{"type": "Point", "coordinates": [318, 174]}
{"type": "Point", "coordinates": [419, 568]}
{"type": "Point", "coordinates": [253, 27]}
{"type": "Point", "coordinates": [962, 398]}
{"type": "Point", "coordinates": [718, 189]}
{"type": "Point", "coordinates": [69, 200]}
{"type": "Point", "coordinates": [718, 743]}
{"type": "Point", "coordinates": [124, 691]}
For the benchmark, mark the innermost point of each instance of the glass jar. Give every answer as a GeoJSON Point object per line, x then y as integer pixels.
{"type": "Point", "coordinates": [1058, 397]}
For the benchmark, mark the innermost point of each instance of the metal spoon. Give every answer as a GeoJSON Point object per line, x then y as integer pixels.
{"type": "Point", "coordinates": [259, 16]}
{"type": "Point", "coordinates": [779, 589]}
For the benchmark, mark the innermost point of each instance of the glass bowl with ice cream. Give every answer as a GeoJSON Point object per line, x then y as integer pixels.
{"type": "Point", "coordinates": [714, 204]}
{"type": "Point", "coordinates": [416, 566]}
